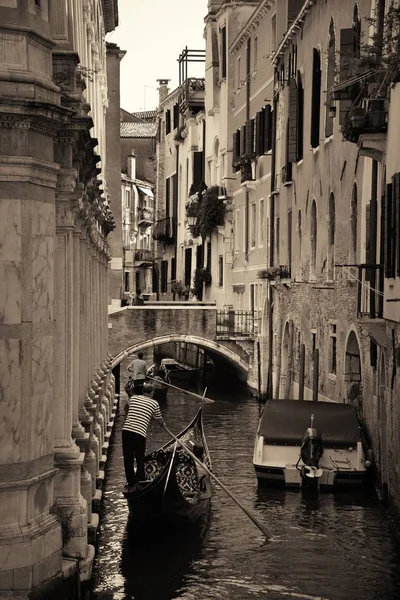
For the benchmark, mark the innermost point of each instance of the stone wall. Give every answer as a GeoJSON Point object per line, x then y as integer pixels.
{"type": "Point", "coordinates": [56, 387]}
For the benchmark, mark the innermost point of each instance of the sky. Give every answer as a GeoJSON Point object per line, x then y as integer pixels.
{"type": "Point", "coordinates": [154, 33]}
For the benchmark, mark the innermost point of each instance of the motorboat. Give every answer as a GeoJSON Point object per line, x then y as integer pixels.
{"type": "Point", "coordinates": [304, 443]}
{"type": "Point", "coordinates": [175, 371]}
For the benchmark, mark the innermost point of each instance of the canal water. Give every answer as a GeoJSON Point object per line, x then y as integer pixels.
{"type": "Point", "coordinates": [331, 547]}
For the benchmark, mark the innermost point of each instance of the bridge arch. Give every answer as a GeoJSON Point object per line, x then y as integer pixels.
{"type": "Point", "coordinates": [189, 339]}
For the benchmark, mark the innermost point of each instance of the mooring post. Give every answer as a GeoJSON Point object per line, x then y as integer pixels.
{"type": "Point", "coordinates": [316, 375]}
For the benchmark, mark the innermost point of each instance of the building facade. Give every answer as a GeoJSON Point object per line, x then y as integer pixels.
{"type": "Point", "coordinates": [55, 385]}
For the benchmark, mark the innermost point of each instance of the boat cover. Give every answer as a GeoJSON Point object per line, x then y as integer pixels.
{"type": "Point", "coordinates": [284, 423]}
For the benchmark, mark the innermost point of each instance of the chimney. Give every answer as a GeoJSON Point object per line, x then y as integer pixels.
{"type": "Point", "coordinates": [131, 165]}
{"type": "Point", "coordinates": [163, 89]}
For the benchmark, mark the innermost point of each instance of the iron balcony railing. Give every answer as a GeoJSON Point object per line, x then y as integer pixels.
{"type": "Point", "coordinates": [144, 255]}
{"type": "Point", "coordinates": [192, 92]}
{"type": "Point", "coordinates": [370, 291]}
{"type": "Point", "coordinates": [164, 230]}
{"type": "Point", "coordinates": [237, 323]}
{"type": "Point", "coordinates": [145, 215]}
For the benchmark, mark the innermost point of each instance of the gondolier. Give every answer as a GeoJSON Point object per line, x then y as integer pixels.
{"type": "Point", "coordinates": [140, 411]}
{"type": "Point", "coordinates": [138, 368]}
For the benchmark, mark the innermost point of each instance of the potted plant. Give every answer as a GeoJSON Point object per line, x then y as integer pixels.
{"type": "Point", "coordinates": [211, 212]}
{"type": "Point", "coordinates": [177, 287]}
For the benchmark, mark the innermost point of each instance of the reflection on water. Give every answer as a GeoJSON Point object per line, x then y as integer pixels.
{"type": "Point", "coordinates": [328, 547]}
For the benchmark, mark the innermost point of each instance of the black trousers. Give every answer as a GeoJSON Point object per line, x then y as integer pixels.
{"type": "Point", "coordinates": [138, 386]}
{"type": "Point", "coordinates": [133, 446]}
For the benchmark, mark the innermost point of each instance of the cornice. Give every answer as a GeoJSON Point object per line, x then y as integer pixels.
{"type": "Point", "coordinates": [254, 21]}
{"type": "Point", "coordinates": [28, 169]}
{"type": "Point", "coordinates": [293, 30]}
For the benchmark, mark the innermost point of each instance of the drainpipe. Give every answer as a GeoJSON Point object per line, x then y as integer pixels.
{"type": "Point", "coordinates": [271, 252]}
{"type": "Point", "coordinates": [175, 208]}
{"type": "Point", "coordinates": [246, 194]}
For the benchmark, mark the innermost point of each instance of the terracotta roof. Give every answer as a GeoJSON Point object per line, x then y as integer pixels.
{"type": "Point", "coordinates": [138, 130]}
{"type": "Point", "coordinates": [146, 115]}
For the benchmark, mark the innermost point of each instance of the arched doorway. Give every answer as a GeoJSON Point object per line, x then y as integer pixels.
{"type": "Point", "coordinates": [352, 371]}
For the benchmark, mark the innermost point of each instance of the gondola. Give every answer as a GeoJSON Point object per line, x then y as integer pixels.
{"type": "Point", "coordinates": [175, 492]}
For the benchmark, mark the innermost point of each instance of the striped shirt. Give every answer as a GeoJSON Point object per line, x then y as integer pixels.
{"type": "Point", "coordinates": [141, 409]}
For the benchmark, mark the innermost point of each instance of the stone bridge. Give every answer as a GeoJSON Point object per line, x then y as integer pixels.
{"type": "Point", "coordinates": [134, 328]}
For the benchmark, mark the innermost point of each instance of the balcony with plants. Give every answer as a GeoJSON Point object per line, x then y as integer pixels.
{"type": "Point", "coordinates": [366, 78]}
{"type": "Point", "coordinates": [145, 217]}
{"type": "Point", "coordinates": [205, 211]}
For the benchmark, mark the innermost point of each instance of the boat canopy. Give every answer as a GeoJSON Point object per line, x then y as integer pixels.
{"type": "Point", "coordinates": [284, 423]}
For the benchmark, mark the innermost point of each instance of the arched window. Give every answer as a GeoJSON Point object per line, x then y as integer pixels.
{"type": "Point", "coordinates": [331, 237]}
{"type": "Point", "coordinates": [353, 224]}
{"type": "Point", "coordinates": [330, 79]}
{"type": "Point", "coordinates": [316, 98]}
{"type": "Point", "coordinates": [313, 234]}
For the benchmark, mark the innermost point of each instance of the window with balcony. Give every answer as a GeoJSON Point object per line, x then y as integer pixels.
{"type": "Point", "coordinates": [315, 99]}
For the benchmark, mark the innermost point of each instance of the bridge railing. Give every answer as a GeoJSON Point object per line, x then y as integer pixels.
{"type": "Point", "coordinates": [237, 323]}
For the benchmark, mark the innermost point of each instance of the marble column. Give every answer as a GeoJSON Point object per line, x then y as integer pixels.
{"type": "Point", "coordinates": [70, 505]}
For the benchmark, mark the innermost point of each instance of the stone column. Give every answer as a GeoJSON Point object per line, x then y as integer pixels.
{"type": "Point", "coordinates": [30, 534]}
{"type": "Point", "coordinates": [70, 505]}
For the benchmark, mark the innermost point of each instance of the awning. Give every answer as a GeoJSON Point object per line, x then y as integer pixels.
{"type": "Point", "coordinates": [284, 422]}
{"type": "Point", "coordinates": [146, 191]}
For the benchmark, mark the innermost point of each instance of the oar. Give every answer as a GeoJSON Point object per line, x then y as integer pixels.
{"type": "Point", "coordinates": [256, 522]}
{"type": "Point", "coordinates": [202, 398]}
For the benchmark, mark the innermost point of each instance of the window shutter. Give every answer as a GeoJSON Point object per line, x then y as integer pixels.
{"type": "Point", "coordinates": [249, 136]}
{"type": "Point", "coordinates": [259, 133]}
{"type": "Point", "coordinates": [199, 257]}
{"type": "Point", "coordinates": [167, 198]}
{"type": "Point", "coordinates": [173, 268]}
{"type": "Point", "coordinates": [368, 239]}
{"type": "Point", "coordinates": [188, 266]}
{"type": "Point", "coordinates": [346, 54]}
{"type": "Point", "coordinates": [316, 99]}
{"type": "Point", "coordinates": [198, 175]}
{"type": "Point", "coordinates": [208, 265]}
{"type": "Point", "coordinates": [267, 128]}
{"type": "Point", "coordinates": [292, 123]}
{"type": "Point", "coordinates": [300, 120]}
{"type": "Point", "coordinates": [243, 140]}
{"type": "Point", "coordinates": [387, 218]}
{"type": "Point", "coordinates": [234, 149]}
{"type": "Point", "coordinates": [396, 224]}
